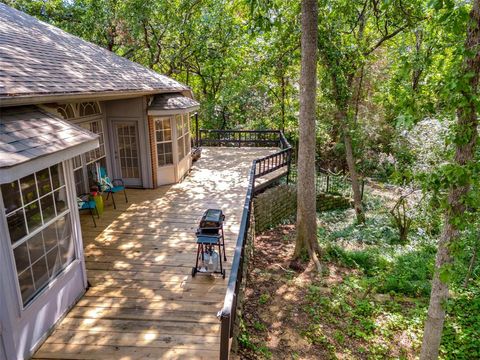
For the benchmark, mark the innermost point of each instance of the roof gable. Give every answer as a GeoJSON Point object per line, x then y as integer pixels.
{"type": "Point", "coordinates": [28, 132]}
{"type": "Point", "coordinates": [38, 59]}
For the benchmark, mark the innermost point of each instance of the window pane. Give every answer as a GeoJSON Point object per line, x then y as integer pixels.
{"type": "Point", "coordinates": [40, 273]}
{"type": "Point", "coordinates": [185, 123]}
{"type": "Point", "coordinates": [11, 196]}
{"type": "Point", "coordinates": [79, 181]}
{"type": "Point", "coordinates": [26, 285]}
{"type": "Point", "coordinates": [168, 158]}
{"type": "Point", "coordinates": [160, 149]}
{"type": "Point", "coordinates": [53, 261]}
{"type": "Point", "coordinates": [92, 174]}
{"type": "Point", "coordinates": [180, 149]}
{"type": "Point", "coordinates": [161, 160]}
{"type": "Point", "coordinates": [20, 253]}
{"type": "Point", "coordinates": [35, 247]}
{"type": "Point", "coordinates": [48, 209]}
{"type": "Point", "coordinates": [29, 188]}
{"type": "Point", "coordinates": [67, 251]}
{"type": "Point", "coordinates": [77, 161]}
{"type": "Point", "coordinates": [43, 182]}
{"type": "Point", "coordinates": [160, 136]}
{"type": "Point", "coordinates": [178, 120]}
{"type": "Point", "coordinates": [63, 227]}
{"type": "Point", "coordinates": [57, 176]}
{"type": "Point", "coordinates": [60, 200]}
{"type": "Point", "coordinates": [166, 124]}
{"type": "Point", "coordinates": [16, 226]}
{"type": "Point", "coordinates": [50, 236]}
{"type": "Point", "coordinates": [32, 213]}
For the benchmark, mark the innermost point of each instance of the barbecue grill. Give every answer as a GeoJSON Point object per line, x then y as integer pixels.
{"type": "Point", "coordinates": [209, 237]}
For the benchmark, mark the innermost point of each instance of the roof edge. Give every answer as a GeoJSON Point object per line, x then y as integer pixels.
{"type": "Point", "coordinates": [93, 95]}
{"type": "Point", "coordinates": [14, 172]}
{"type": "Point", "coordinates": [174, 111]}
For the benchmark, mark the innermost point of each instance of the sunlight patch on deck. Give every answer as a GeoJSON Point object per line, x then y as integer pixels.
{"type": "Point", "coordinates": [143, 301]}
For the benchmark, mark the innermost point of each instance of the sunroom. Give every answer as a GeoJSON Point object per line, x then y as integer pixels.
{"type": "Point", "coordinates": [170, 124]}
{"type": "Point", "coordinates": [41, 254]}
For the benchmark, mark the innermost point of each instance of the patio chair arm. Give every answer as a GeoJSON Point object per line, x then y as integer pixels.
{"type": "Point", "coordinates": [118, 181]}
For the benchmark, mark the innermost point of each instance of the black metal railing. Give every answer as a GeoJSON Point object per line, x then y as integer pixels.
{"type": "Point", "coordinates": [238, 138]}
{"type": "Point", "coordinates": [331, 183]}
{"type": "Point", "coordinates": [260, 167]}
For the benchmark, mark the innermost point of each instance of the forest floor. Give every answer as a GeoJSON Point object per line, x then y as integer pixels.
{"type": "Point", "coordinates": [369, 303]}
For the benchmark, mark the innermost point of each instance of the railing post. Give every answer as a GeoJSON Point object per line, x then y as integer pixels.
{"type": "Point", "coordinates": [289, 165]}
{"type": "Point", "coordinates": [328, 183]}
{"type": "Point", "coordinates": [225, 325]}
{"type": "Point", "coordinates": [197, 131]}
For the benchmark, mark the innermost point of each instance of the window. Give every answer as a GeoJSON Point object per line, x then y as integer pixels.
{"type": "Point", "coordinates": [183, 135]}
{"type": "Point", "coordinates": [88, 109]}
{"type": "Point", "coordinates": [84, 165]}
{"type": "Point", "coordinates": [38, 219]}
{"type": "Point", "coordinates": [67, 111]}
{"type": "Point", "coordinates": [76, 110]}
{"type": "Point", "coordinates": [163, 133]}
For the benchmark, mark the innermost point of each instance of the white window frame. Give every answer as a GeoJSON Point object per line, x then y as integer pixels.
{"type": "Point", "coordinates": [169, 121]}
{"type": "Point", "coordinates": [184, 133]}
{"type": "Point", "coordinates": [67, 212]}
{"type": "Point", "coordinates": [84, 163]}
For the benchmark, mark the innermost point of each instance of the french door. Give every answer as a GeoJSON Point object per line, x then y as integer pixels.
{"type": "Point", "coordinates": [127, 156]}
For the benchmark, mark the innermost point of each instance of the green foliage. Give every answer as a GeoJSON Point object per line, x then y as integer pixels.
{"type": "Point", "coordinates": [403, 273]}
{"type": "Point", "coordinates": [461, 335]}
{"type": "Point", "coordinates": [263, 299]}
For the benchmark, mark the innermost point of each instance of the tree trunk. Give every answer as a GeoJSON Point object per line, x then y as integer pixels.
{"type": "Point", "coordinates": [357, 195]}
{"type": "Point", "coordinates": [467, 127]}
{"type": "Point", "coordinates": [306, 241]}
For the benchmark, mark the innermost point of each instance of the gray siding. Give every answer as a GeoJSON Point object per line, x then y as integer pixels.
{"type": "Point", "coordinates": [131, 110]}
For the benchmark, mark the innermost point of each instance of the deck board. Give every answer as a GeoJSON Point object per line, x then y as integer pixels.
{"type": "Point", "coordinates": [143, 302]}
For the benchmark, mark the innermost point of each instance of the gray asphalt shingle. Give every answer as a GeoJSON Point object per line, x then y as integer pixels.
{"type": "Point", "coordinates": [39, 59]}
{"type": "Point", "coordinates": [28, 132]}
{"type": "Point", "coordinates": [172, 101]}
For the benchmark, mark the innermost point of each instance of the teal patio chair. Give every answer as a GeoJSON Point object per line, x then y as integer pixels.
{"type": "Point", "coordinates": [111, 186]}
{"type": "Point", "coordinates": [85, 203]}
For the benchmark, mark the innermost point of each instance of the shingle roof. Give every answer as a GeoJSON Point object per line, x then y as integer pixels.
{"type": "Point", "coordinates": [172, 101]}
{"type": "Point", "coordinates": [39, 59]}
{"type": "Point", "coordinates": [27, 132]}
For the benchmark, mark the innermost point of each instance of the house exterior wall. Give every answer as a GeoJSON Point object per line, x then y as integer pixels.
{"type": "Point", "coordinates": [153, 150]}
{"type": "Point", "coordinates": [25, 327]}
{"type": "Point", "coordinates": [3, 355]}
{"type": "Point", "coordinates": [131, 111]}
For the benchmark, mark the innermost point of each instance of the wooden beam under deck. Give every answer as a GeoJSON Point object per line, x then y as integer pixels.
{"type": "Point", "coordinates": [143, 302]}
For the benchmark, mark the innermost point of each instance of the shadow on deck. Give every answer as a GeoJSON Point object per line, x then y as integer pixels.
{"type": "Point", "coordinates": [143, 302]}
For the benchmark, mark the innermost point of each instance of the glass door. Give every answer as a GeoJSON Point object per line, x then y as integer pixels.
{"type": "Point", "coordinates": [126, 153]}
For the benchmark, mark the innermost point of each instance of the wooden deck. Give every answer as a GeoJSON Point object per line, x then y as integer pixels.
{"type": "Point", "coordinates": [143, 302]}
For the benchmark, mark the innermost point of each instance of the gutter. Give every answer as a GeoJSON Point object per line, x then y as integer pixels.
{"type": "Point", "coordinates": [84, 96]}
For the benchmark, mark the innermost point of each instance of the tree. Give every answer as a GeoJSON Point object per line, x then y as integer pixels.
{"type": "Point", "coordinates": [465, 143]}
{"type": "Point", "coordinates": [350, 33]}
{"type": "Point", "coordinates": [306, 197]}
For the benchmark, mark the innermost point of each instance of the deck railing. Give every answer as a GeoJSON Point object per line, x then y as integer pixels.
{"type": "Point", "coordinates": [260, 167]}
{"type": "Point", "coordinates": [239, 138]}
{"type": "Point", "coordinates": [329, 182]}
